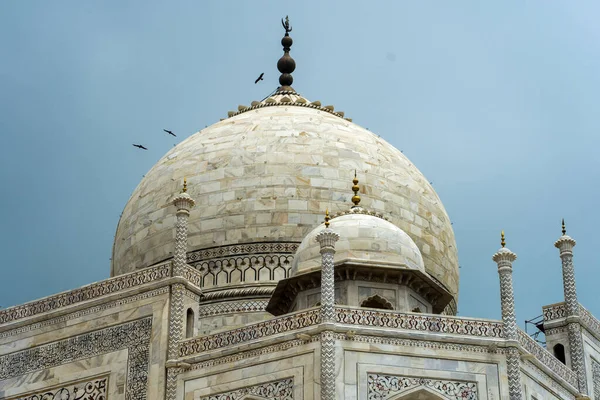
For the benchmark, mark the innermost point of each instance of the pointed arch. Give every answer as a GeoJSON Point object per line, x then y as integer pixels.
{"type": "Point", "coordinates": [419, 393]}
{"type": "Point", "coordinates": [376, 301]}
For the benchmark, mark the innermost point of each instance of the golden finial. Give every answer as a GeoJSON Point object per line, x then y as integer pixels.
{"type": "Point", "coordinates": [502, 242]}
{"type": "Point", "coordinates": [564, 229]}
{"type": "Point", "coordinates": [327, 218]}
{"type": "Point", "coordinates": [184, 186]}
{"type": "Point", "coordinates": [355, 189]}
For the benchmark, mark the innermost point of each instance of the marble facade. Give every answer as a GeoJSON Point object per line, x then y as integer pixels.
{"type": "Point", "coordinates": [241, 303]}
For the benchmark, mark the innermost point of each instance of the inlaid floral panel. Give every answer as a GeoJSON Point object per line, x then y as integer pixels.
{"type": "Point", "coordinates": [133, 336]}
{"type": "Point", "coordinates": [383, 387]}
{"type": "Point", "coordinates": [276, 390]}
{"type": "Point", "coordinates": [92, 389]}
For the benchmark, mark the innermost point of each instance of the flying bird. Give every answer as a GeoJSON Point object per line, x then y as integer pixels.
{"type": "Point", "coordinates": [260, 78]}
{"type": "Point", "coordinates": [169, 132]}
{"type": "Point", "coordinates": [139, 146]}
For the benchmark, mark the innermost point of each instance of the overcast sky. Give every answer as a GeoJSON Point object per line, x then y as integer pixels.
{"type": "Point", "coordinates": [495, 102]}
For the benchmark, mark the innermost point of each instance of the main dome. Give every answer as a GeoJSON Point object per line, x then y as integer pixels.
{"type": "Point", "coordinates": [266, 174]}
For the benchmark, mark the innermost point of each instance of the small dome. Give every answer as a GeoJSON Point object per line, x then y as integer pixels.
{"type": "Point", "coordinates": [364, 239]}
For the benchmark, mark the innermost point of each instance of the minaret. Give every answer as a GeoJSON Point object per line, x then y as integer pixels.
{"type": "Point", "coordinates": [183, 202]}
{"type": "Point", "coordinates": [327, 238]}
{"type": "Point", "coordinates": [504, 258]}
{"type": "Point", "coordinates": [286, 64]}
{"type": "Point", "coordinates": [565, 244]}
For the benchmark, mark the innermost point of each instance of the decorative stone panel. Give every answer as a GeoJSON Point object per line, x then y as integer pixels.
{"type": "Point", "coordinates": [420, 322]}
{"type": "Point", "coordinates": [90, 389]}
{"type": "Point", "coordinates": [231, 307]}
{"type": "Point", "coordinates": [276, 390]}
{"type": "Point", "coordinates": [383, 387]}
{"type": "Point", "coordinates": [596, 378]}
{"type": "Point", "coordinates": [133, 336]}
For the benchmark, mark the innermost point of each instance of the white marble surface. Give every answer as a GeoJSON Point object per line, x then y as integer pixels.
{"type": "Point", "coordinates": [268, 175]}
{"type": "Point", "coordinates": [363, 239]}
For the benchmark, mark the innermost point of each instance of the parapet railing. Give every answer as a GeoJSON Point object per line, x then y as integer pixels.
{"type": "Point", "coordinates": [86, 293]}
{"type": "Point", "coordinates": [349, 316]}
{"type": "Point", "coordinates": [558, 311]}
{"type": "Point", "coordinates": [547, 358]}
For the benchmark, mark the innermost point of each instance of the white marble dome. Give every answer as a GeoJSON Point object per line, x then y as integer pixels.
{"type": "Point", "coordinates": [364, 240]}
{"type": "Point", "coordinates": [266, 174]}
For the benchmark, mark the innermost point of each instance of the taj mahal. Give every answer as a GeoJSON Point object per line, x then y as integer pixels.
{"type": "Point", "coordinates": [286, 253]}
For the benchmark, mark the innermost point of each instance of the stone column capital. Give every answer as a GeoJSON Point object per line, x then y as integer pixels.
{"type": "Point", "coordinates": [565, 244]}
{"type": "Point", "coordinates": [183, 202]}
{"type": "Point", "coordinates": [327, 238]}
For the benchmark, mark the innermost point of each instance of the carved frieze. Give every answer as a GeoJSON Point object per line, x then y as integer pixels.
{"type": "Point", "coordinates": [229, 307]}
{"type": "Point", "coordinates": [276, 390]}
{"type": "Point", "coordinates": [91, 389]}
{"type": "Point", "coordinates": [250, 332]}
{"type": "Point", "coordinates": [133, 336]}
{"type": "Point", "coordinates": [242, 263]}
{"type": "Point", "coordinates": [420, 322]}
{"type": "Point", "coordinates": [383, 387]}
{"type": "Point", "coordinates": [242, 249]}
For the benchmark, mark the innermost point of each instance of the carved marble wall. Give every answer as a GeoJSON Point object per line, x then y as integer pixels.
{"type": "Point", "coordinates": [88, 389]}
{"type": "Point", "coordinates": [67, 357]}
{"type": "Point", "coordinates": [384, 387]}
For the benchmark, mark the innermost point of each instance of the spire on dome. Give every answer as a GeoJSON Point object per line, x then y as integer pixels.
{"type": "Point", "coordinates": [355, 189]}
{"type": "Point", "coordinates": [564, 229]}
{"type": "Point", "coordinates": [327, 218]}
{"type": "Point", "coordinates": [502, 241]}
{"type": "Point", "coordinates": [286, 64]}
{"type": "Point", "coordinates": [184, 186]}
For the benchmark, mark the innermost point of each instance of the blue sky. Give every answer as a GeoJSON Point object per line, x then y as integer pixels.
{"type": "Point", "coordinates": [495, 102]}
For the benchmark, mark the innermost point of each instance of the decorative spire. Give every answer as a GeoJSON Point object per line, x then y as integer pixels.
{"type": "Point", "coordinates": [355, 189]}
{"type": "Point", "coordinates": [502, 242]}
{"type": "Point", "coordinates": [564, 229]}
{"type": "Point", "coordinates": [184, 186]}
{"type": "Point", "coordinates": [286, 64]}
{"type": "Point", "coordinates": [327, 218]}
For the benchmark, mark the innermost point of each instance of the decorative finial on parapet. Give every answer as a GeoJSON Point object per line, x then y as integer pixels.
{"type": "Point", "coordinates": [355, 189]}
{"type": "Point", "coordinates": [286, 64]}
{"type": "Point", "coordinates": [502, 242]}
{"type": "Point", "coordinates": [327, 218]}
{"type": "Point", "coordinates": [564, 228]}
{"type": "Point", "coordinates": [184, 186]}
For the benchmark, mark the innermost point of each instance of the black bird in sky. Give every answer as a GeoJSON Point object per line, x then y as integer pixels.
{"type": "Point", "coordinates": [260, 78]}
{"type": "Point", "coordinates": [139, 146]}
{"type": "Point", "coordinates": [169, 132]}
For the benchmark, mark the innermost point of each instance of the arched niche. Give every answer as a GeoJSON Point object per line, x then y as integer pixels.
{"type": "Point", "coordinates": [376, 301]}
{"type": "Point", "coordinates": [189, 323]}
{"type": "Point", "coordinates": [559, 353]}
